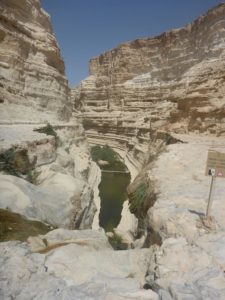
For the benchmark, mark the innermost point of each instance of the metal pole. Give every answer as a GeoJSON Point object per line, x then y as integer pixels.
{"type": "Point", "coordinates": [210, 197]}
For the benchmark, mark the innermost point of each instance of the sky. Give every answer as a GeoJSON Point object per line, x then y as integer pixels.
{"type": "Point", "coordinates": [87, 28]}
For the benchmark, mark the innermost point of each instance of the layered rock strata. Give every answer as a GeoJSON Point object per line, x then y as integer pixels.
{"type": "Point", "coordinates": [33, 85]}
{"type": "Point", "coordinates": [172, 82]}
{"type": "Point", "coordinates": [34, 90]}
{"type": "Point", "coordinates": [160, 103]}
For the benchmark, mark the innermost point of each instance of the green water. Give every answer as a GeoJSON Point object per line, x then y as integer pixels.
{"type": "Point", "coordinates": [16, 227]}
{"type": "Point", "coordinates": [112, 191]}
{"type": "Point", "coordinates": [113, 186]}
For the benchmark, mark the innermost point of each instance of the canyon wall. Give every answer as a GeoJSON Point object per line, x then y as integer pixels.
{"type": "Point", "coordinates": [174, 82]}
{"type": "Point", "coordinates": [33, 85]}
{"type": "Point", "coordinates": [33, 91]}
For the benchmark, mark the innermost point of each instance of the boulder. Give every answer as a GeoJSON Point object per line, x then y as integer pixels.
{"type": "Point", "coordinates": [58, 203]}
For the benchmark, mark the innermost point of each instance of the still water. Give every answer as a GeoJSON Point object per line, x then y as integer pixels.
{"type": "Point", "coordinates": [112, 191]}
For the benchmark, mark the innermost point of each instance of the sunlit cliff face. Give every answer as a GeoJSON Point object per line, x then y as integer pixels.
{"type": "Point", "coordinates": [32, 70]}
{"type": "Point", "coordinates": [172, 82]}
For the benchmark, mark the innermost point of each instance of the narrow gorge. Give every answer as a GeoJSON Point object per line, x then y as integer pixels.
{"type": "Point", "coordinates": [159, 103]}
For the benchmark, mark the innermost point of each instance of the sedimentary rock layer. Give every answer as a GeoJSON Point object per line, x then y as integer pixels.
{"type": "Point", "coordinates": [32, 75]}
{"type": "Point", "coordinates": [173, 82]}
{"type": "Point", "coordinates": [33, 90]}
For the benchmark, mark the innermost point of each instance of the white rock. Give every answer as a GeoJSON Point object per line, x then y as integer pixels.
{"type": "Point", "coordinates": [182, 189]}
{"type": "Point", "coordinates": [56, 203]}
{"type": "Point", "coordinates": [94, 239]}
{"type": "Point", "coordinates": [73, 271]}
{"type": "Point", "coordinates": [189, 270]}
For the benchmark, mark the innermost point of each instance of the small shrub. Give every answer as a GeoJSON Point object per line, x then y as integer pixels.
{"type": "Point", "coordinates": [107, 154]}
{"type": "Point", "coordinates": [16, 162]}
{"type": "Point", "coordinates": [7, 162]}
{"type": "Point", "coordinates": [32, 176]}
{"type": "Point", "coordinates": [109, 227]}
{"type": "Point", "coordinates": [48, 129]}
{"type": "Point", "coordinates": [96, 152]}
{"type": "Point", "coordinates": [117, 243]}
{"type": "Point", "coordinates": [137, 198]}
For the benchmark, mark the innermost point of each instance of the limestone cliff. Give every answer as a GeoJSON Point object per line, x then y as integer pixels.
{"type": "Point", "coordinates": [32, 79]}
{"type": "Point", "coordinates": [33, 90]}
{"type": "Point", "coordinates": [174, 82]}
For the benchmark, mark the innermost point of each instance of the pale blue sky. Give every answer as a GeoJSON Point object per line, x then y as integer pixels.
{"type": "Point", "coordinates": [87, 28]}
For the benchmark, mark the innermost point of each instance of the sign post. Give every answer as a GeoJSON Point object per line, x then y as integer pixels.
{"type": "Point", "coordinates": [210, 198]}
{"type": "Point", "coordinates": [215, 167]}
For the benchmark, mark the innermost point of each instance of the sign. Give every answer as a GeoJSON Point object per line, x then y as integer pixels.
{"type": "Point", "coordinates": [215, 165]}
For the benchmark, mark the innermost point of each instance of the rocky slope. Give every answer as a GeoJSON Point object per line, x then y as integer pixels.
{"type": "Point", "coordinates": [33, 85]}
{"type": "Point", "coordinates": [172, 82]}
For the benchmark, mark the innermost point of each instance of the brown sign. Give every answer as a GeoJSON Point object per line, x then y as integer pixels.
{"type": "Point", "coordinates": [215, 164]}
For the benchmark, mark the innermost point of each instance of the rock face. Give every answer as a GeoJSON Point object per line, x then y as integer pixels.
{"type": "Point", "coordinates": [65, 177]}
{"type": "Point", "coordinates": [190, 272]}
{"type": "Point", "coordinates": [84, 267]}
{"type": "Point", "coordinates": [191, 258]}
{"type": "Point", "coordinates": [33, 90]}
{"type": "Point", "coordinates": [33, 85]}
{"type": "Point", "coordinates": [173, 82]}
{"type": "Point", "coordinates": [182, 189]}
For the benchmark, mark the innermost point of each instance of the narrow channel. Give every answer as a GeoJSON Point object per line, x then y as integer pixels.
{"type": "Point", "coordinates": [113, 186]}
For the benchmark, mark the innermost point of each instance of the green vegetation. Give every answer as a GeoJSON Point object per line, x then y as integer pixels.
{"type": "Point", "coordinates": [7, 162]}
{"type": "Point", "coordinates": [16, 162]}
{"type": "Point", "coordinates": [106, 153]}
{"type": "Point", "coordinates": [109, 226]}
{"type": "Point", "coordinates": [116, 242]}
{"type": "Point", "coordinates": [103, 153]}
{"type": "Point", "coordinates": [32, 176]}
{"type": "Point", "coordinates": [138, 198]}
{"type": "Point", "coordinates": [48, 129]}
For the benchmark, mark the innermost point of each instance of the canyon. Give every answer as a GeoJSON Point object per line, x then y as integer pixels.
{"type": "Point", "coordinates": [159, 103]}
{"type": "Point", "coordinates": [171, 83]}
